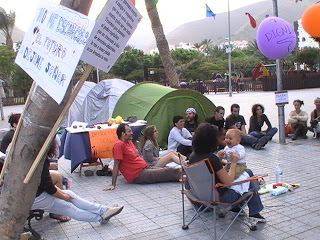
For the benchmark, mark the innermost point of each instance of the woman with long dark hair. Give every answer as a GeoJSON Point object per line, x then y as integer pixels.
{"type": "Point", "coordinates": [150, 150]}
{"type": "Point", "coordinates": [257, 120]}
{"type": "Point", "coordinates": [204, 145]}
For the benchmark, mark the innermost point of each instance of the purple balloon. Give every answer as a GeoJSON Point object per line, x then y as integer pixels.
{"type": "Point", "coordinates": [276, 38]}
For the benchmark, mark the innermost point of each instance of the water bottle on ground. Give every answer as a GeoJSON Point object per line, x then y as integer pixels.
{"type": "Point", "coordinates": [278, 173]}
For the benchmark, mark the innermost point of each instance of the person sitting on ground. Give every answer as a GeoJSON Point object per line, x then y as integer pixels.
{"type": "Point", "coordinates": [133, 167]}
{"type": "Point", "coordinates": [56, 177]}
{"type": "Point", "coordinates": [51, 198]}
{"type": "Point", "coordinates": [237, 121]}
{"type": "Point", "coordinates": [257, 121]}
{"type": "Point", "coordinates": [150, 150]}
{"type": "Point", "coordinates": [7, 138]}
{"type": "Point", "coordinates": [298, 121]}
{"type": "Point", "coordinates": [191, 122]}
{"type": "Point", "coordinates": [179, 139]}
{"type": "Point", "coordinates": [218, 120]}
{"type": "Point", "coordinates": [315, 117]}
{"type": "Point", "coordinates": [204, 145]}
{"type": "Point", "coordinates": [233, 148]}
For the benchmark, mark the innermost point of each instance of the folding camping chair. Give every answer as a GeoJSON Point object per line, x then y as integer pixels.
{"type": "Point", "coordinates": [202, 192]}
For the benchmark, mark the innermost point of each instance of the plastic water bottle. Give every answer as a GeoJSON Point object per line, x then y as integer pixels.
{"type": "Point", "coordinates": [278, 173]}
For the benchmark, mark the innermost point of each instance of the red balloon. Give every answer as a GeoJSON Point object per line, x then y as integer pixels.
{"type": "Point", "coordinates": [310, 20]}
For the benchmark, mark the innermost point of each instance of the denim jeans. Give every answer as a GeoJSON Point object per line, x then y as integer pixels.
{"type": "Point", "coordinates": [255, 205]}
{"type": "Point", "coordinates": [78, 209]}
{"type": "Point", "coordinates": [269, 134]}
{"type": "Point", "coordinates": [247, 139]}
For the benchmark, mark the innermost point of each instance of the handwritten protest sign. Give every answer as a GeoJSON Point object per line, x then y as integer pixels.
{"type": "Point", "coordinates": [114, 26]}
{"type": "Point", "coordinates": [102, 142]}
{"type": "Point", "coordinates": [281, 97]}
{"type": "Point", "coordinates": [52, 47]}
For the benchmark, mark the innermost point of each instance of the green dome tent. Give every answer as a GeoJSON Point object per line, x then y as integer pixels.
{"type": "Point", "coordinates": [158, 105]}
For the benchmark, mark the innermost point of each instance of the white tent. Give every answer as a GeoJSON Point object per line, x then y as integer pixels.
{"type": "Point", "coordinates": [74, 112]}
{"type": "Point", "coordinates": [100, 101]}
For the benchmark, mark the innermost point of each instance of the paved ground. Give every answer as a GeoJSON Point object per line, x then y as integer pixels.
{"type": "Point", "coordinates": [154, 211]}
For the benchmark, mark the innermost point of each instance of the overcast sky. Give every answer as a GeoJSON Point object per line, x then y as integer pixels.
{"type": "Point", "coordinates": [172, 13]}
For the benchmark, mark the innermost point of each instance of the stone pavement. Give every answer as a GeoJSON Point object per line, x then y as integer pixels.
{"type": "Point", "coordinates": [155, 212]}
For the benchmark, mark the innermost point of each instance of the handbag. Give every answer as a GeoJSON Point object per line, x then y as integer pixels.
{"type": "Point", "coordinates": [287, 129]}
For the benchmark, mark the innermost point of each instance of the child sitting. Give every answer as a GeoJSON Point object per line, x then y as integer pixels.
{"type": "Point", "coordinates": [233, 148]}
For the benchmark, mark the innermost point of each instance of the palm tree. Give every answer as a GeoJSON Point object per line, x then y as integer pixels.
{"type": "Point", "coordinates": [40, 110]}
{"type": "Point", "coordinates": [206, 45]}
{"type": "Point", "coordinates": [7, 25]}
{"type": "Point", "coordinates": [162, 44]}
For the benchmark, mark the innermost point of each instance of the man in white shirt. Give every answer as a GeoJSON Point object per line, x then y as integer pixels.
{"type": "Point", "coordinates": [179, 138]}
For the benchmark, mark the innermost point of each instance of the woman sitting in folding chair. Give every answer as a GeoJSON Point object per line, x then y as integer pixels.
{"type": "Point", "coordinates": [204, 145]}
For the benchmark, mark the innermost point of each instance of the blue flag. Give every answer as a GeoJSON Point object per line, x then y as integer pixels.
{"type": "Point", "coordinates": [209, 13]}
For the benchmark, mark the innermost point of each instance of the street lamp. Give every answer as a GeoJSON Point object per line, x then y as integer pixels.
{"type": "Point", "coordinates": [228, 50]}
{"type": "Point", "coordinates": [281, 120]}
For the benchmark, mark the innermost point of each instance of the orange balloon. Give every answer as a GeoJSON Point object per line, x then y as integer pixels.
{"type": "Point", "coordinates": [310, 20]}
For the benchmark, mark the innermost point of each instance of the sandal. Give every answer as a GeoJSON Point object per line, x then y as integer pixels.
{"type": "Point", "coordinates": [59, 217]}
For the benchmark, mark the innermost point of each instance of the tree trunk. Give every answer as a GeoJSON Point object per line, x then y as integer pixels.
{"type": "Point", "coordinates": [162, 44]}
{"type": "Point", "coordinates": [37, 120]}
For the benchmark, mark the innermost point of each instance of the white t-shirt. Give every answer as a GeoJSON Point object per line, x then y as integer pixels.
{"type": "Point", "coordinates": [178, 136]}
{"type": "Point", "coordinates": [238, 149]}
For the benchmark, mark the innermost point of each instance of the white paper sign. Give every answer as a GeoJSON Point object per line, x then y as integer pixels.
{"type": "Point", "coordinates": [282, 97]}
{"type": "Point", "coordinates": [114, 26]}
{"type": "Point", "coordinates": [51, 49]}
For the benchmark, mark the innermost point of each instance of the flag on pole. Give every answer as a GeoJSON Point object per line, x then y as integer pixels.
{"type": "Point", "coordinates": [252, 20]}
{"type": "Point", "coordinates": [209, 13]}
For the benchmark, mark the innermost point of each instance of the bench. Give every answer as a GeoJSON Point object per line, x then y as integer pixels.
{"type": "Point", "coordinates": [38, 215]}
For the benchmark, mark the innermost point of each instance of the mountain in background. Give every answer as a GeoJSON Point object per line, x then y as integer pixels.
{"type": "Point", "coordinates": [217, 29]}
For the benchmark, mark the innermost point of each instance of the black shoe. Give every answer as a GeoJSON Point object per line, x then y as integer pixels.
{"type": "Point", "coordinates": [104, 171]}
{"type": "Point", "coordinates": [261, 143]}
{"type": "Point", "coordinates": [294, 137]}
{"type": "Point", "coordinates": [257, 217]}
